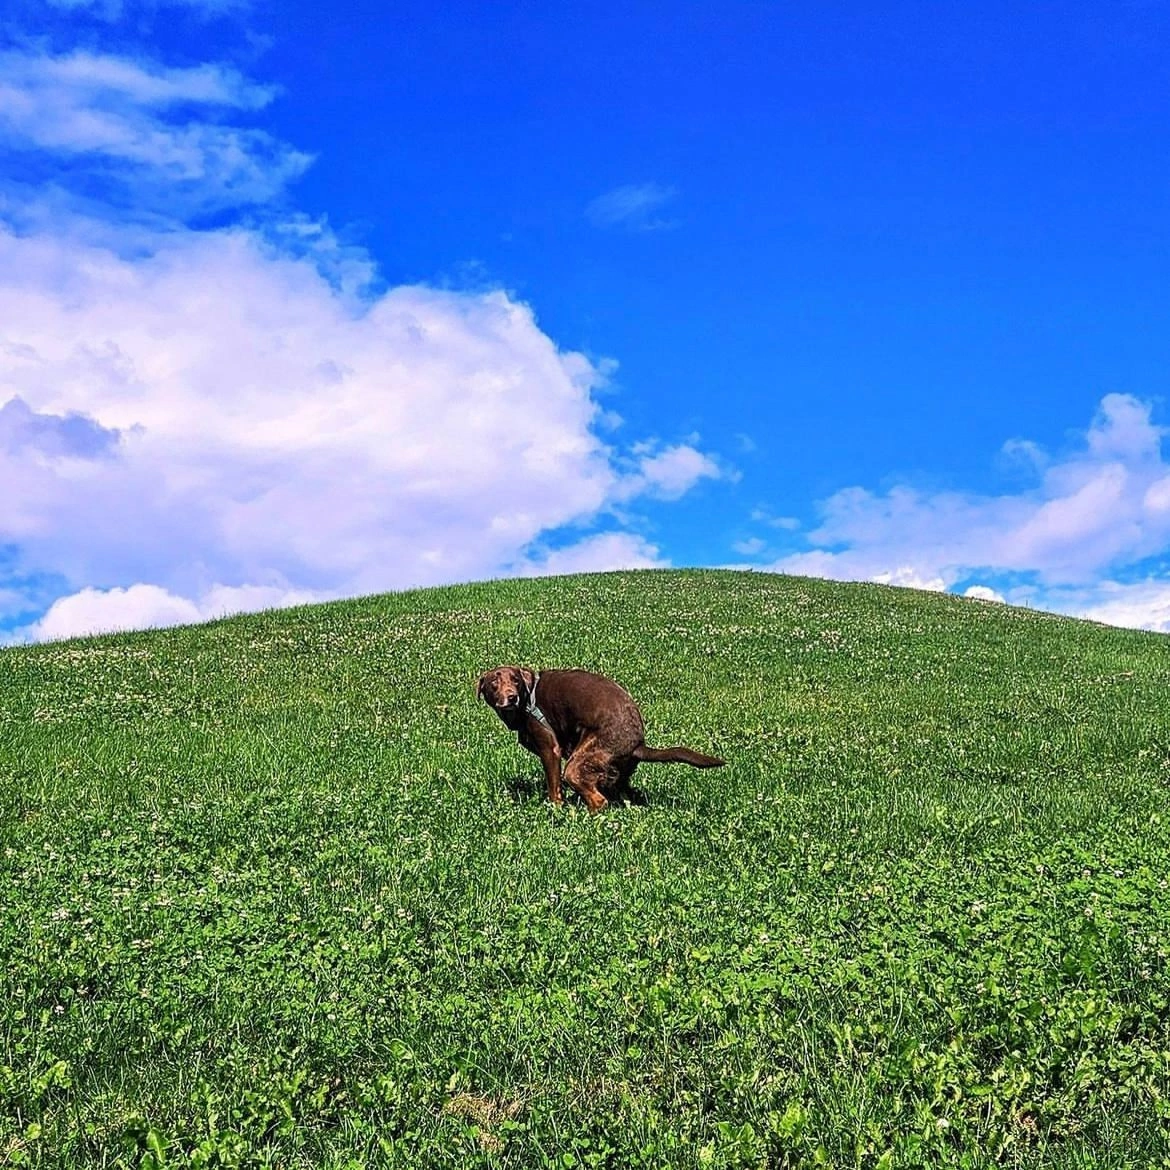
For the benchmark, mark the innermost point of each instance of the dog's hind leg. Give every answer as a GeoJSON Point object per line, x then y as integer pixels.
{"type": "Point", "coordinates": [586, 774]}
{"type": "Point", "coordinates": [620, 790]}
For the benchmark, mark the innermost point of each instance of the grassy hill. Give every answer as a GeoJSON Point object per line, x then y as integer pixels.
{"type": "Point", "coordinates": [277, 891]}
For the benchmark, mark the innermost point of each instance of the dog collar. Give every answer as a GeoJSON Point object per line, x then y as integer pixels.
{"type": "Point", "coordinates": [531, 708]}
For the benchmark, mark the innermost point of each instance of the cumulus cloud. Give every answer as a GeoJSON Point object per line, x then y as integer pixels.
{"type": "Point", "coordinates": [1089, 515]}
{"type": "Point", "coordinates": [1143, 604]}
{"type": "Point", "coordinates": [635, 207]}
{"type": "Point", "coordinates": [668, 473]}
{"type": "Point", "coordinates": [983, 593]}
{"type": "Point", "coordinates": [196, 421]}
{"type": "Point", "coordinates": [907, 577]}
{"type": "Point", "coordinates": [140, 607]}
{"type": "Point", "coordinates": [98, 611]}
{"type": "Point", "coordinates": [1100, 506]}
{"type": "Point", "coordinates": [52, 436]}
{"type": "Point", "coordinates": [145, 130]}
{"type": "Point", "coordinates": [221, 413]}
{"type": "Point", "coordinates": [599, 553]}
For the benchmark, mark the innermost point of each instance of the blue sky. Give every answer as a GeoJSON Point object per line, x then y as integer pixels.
{"type": "Point", "coordinates": [300, 303]}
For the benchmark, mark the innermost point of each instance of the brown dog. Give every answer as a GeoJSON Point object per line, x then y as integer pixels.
{"type": "Point", "coordinates": [585, 721]}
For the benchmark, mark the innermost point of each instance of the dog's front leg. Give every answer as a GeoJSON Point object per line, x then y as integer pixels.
{"type": "Point", "coordinates": [538, 738]}
{"type": "Point", "coordinates": [550, 757]}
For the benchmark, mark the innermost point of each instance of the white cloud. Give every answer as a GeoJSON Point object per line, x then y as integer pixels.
{"type": "Point", "coordinates": [97, 611]}
{"type": "Point", "coordinates": [1104, 507]}
{"type": "Point", "coordinates": [1024, 455]}
{"type": "Point", "coordinates": [81, 78]}
{"type": "Point", "coordinates": [1157, 497]}
{"type": "Point", "coordinates": [218, 412]}
{"type": "Point", "coordinates": [763, 516]}
{"type": "Point", "coordinates": [669, 473]}
{"type": "Point", "coordinates": [1098, 507]}
{"type": "Point", "coordinates": [193, 422]}
{"type": "Point", "coordinates": [104, 611]}
{"type": "Point", "coordinates": [983, 593]}
{"type": "Point", "coordinates": [52, 436]}
{"type": "Point", "coordinates": [1123, 430]}
{"type": "Point", "coordinates": [134, 120]}
{"type": "Point", "coordinates": [635, 207]}
{"type": "Point", "coordinates": [139, 607]}
{"type": "Point", "coordinates": [750, 547]}
{"type": "Point", "coordinates": [907, 577]}
{"type": "Point", "coordinates": [1142, 605]}
{"type": "Point", "coordinates": [599, 553]}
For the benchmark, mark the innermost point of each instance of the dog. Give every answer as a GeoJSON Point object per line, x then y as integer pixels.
{"type": "Point", "coordinates": [581, 720]}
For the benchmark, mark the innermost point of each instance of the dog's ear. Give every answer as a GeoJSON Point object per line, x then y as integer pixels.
{"type": "Point", "coordinates": [479, 685]}
{"type": "Point", "coordinates": [528, 677]}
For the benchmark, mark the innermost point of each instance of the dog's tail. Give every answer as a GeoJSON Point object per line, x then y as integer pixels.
{"type": "Point", "coordinates": [676, 755]}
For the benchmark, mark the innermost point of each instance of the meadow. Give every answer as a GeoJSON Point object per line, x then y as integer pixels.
{"type": "Point", "coordinates": [276, 891]}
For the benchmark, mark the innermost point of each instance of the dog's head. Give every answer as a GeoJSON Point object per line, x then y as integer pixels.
{"type": "Point", "coordinates": [506, 688]}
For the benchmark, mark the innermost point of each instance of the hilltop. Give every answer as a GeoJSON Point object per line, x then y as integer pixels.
{"type": "Point", "coordinates": [280, 892]}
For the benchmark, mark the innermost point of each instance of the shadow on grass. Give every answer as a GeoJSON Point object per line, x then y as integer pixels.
{"type": "Point", "coordinates": [522, 789]}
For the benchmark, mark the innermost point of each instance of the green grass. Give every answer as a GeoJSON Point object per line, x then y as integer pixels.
{"type": "Point", "coordinates": [276, 891]}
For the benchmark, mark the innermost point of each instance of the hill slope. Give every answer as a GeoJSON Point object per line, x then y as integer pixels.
{"type": "Point", "coordinates": [279, 892]}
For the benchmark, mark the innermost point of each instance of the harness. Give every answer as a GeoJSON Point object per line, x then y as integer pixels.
{"type": "Point", "coordinates": [532, 709]}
